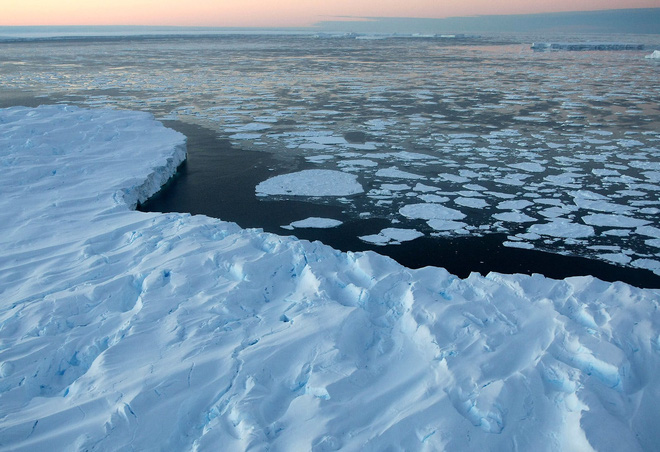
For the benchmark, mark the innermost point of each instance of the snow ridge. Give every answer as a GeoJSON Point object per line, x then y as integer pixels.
{"type": "Point", "coordinates": [121, 329]}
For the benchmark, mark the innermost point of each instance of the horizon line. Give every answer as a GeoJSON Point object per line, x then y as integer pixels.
{"type": "Point", "coordinates": [320, 23]}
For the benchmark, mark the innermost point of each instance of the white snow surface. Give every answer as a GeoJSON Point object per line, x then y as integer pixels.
{"type": "Point", "coordinates": [126, 330]}
{"type": "Point", "coordinates": [311, 183]}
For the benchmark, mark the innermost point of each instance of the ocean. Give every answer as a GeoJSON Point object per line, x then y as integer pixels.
{"type": "Point", "coordinates": [474, 153]}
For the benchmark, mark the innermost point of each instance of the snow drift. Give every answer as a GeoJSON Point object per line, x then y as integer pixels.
{"type": "Point", "coordinates": [121, 329]}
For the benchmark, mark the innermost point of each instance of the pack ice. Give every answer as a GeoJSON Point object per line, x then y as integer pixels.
{"type": "Point", "coordinates": [125, 330]}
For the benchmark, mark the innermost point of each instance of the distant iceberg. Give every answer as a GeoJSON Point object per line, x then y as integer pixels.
{"type": "Point", "coordinates": [655, 55]}
{"type": "Point", "coordinates": [576, 46]}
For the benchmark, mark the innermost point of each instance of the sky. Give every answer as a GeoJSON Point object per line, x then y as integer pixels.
{"type": "Point", "coordinates": [274, 13]}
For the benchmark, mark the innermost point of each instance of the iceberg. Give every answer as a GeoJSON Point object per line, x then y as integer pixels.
{"type": "Point", "coordinates": [655, 55]}
{"type": "Point", "coordinates": [578, 46]}
{"type": "Point", "coordinates": [128, 330]}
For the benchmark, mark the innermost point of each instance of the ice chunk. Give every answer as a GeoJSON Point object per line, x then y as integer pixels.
{"type": "Point", "coordinates": [446, 225]}
{"type": "Point", "coordinates": [315, 222]}
{"type": "Point", "coordinates": [655, 55]}
{"type": "Point", "coordinates": [311, 183]}
{"type": "Point", "coordinates": [392, 236]}
{"type": "Point", "coordinates": [518, 204]}
{"type": "Point", "coordinates": [427, 211]}
{"type": "Point", "coordinates": [532, 167]}
{"type": "Point", "coordinates": [475, 203]}
{"type": "Point", "coordinates": [613, 220]}
{"type": "Point", "coordinates": [514, 217]}
{"type": "Point", "coordinates": [396, 173]}
{"type": "Point", "coordinates": [562, 227]}
{"type": "Point", "coordinates": [514, 244]}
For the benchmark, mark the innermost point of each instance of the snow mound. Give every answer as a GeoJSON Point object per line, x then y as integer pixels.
{"type": "Point", "coordinates": [311, 183]}
{"type": "Point", "coordinates": [126, 330]}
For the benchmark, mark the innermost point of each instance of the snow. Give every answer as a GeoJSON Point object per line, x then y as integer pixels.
{"type": "Point", "coordinates": [127, 330]}
{"type": "Point", "coordinates": [654, 55]}
{"type": "Point", "coordinates": [311, 183]}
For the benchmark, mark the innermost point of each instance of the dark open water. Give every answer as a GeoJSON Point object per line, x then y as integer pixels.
{"type": "Point", "coordinates": [573, 136]}
{"type": "Point", "coordinates": [218, 180]}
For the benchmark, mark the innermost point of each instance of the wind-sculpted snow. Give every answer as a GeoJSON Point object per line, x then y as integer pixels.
{"type": "Point", "coordinates": [121, 329]}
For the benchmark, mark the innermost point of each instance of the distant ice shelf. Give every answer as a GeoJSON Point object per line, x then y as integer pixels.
{"type": "Point", "coordinates": [146, 331]}
{"type": "Point", "coordinates": [577, 46]}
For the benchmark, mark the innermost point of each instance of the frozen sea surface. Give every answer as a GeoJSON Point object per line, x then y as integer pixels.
{"type": "Point", "coordinates": [122, 329]}
{"type": "Point", "coordinates": [567, 137]}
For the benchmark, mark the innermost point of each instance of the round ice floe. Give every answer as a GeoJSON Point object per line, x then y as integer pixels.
{"type": "Point", "coordinates": [316, 223]}
{"type": "Point", "coordinates": [426, 211]}
{"type": "Point", "coordinates": [562, 228]}
{"type": "Point", "coordinates": [311, 183]}
{"type": "Point", "coordinates": [475, 203]}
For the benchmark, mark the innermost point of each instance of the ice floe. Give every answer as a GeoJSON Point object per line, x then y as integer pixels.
{"type": "Point", "coordinates": [314, 222]}
{"type": "Point", "coordinates": [129, 330]}
{"type": "Point", "coordinates": [561, 227]}
{"type": "Point", "coordinates": [429, 211]}
{"type": "Point", "coordinates": [392, 236]}
{"type": "Point", "coordinates": [311, 183]}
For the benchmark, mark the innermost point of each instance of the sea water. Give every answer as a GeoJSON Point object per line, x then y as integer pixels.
{"type": "Point", "coordinates": [493, 156]}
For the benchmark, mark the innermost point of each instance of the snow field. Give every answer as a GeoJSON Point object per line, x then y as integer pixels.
{"type": "Point", "coordinates": [121, 329]}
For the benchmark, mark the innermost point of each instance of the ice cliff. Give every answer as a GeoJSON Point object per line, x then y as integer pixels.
{"type": "Point", "coordinates": [125, 330]}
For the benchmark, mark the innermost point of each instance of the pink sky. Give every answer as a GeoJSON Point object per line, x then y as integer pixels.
{"type": "Point", "coordinates": [273, 13]}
